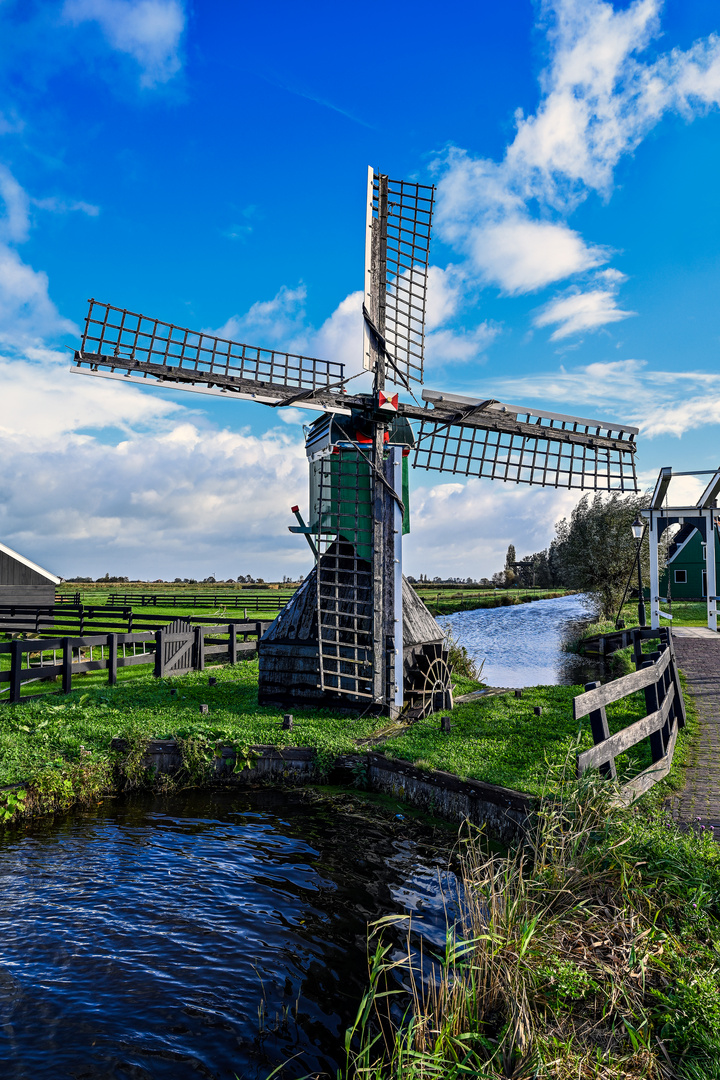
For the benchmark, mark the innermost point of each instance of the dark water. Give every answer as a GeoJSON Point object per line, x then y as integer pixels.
{"type": "Point", "coordinates": [523, 645]}
{"type": "Point", "coordinates": [141, 939]}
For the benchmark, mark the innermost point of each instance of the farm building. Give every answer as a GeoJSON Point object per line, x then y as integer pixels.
{"type": "Point", "coordinates": [686, 565]}
{"type": "Point", "coordinates": [23, 582]}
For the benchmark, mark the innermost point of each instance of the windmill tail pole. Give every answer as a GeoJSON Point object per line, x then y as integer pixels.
{"type": "Point", "coordinates": [304, 530]}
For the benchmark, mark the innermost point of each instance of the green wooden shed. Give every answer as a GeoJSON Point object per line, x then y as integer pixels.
{"type": "Point", "coordinates": [686, 569]}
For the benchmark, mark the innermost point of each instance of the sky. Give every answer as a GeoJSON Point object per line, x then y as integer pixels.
{"type": "Point", "coordinates": [206, 164]}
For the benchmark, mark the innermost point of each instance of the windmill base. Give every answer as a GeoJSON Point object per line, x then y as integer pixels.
{"type": "Point", "coordinates": [289, 663]}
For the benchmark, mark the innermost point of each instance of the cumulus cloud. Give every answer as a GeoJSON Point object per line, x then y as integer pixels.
{"type": "Point", "coordinates": [277, 322]}
{"type": "Point", "coordinates": [580, 311]}
{"type": "Point", "coordinates": [510, 514]}
{"type": "Point", "coordinates": [599, 99]}
{"type": "Point", "coordinates": [179, 500]}
{"type": "Point", "coordinates": [149, 31]}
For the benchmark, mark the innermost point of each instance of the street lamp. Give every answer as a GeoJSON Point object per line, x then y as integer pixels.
{"type": "Point", "coordinates": [638, 531]}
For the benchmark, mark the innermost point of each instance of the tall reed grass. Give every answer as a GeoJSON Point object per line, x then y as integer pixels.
{"type": "Point", "coordinates": [580, 954]}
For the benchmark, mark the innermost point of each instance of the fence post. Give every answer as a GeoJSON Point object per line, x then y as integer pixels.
{"type": "Point", "coordinates": [159, 658]}
{"type": "Point", "coordinates": [657, 742]}
{"type": "Point", "coordinates": [112, 659]}
{"type": "Point", "coordinates": [233, 643]}
{"type": "Point", "coordinates": [601, 732]}
{"type": "Point", "coordinates": [679, 703]}
{"type": "Point", "coordinates": [199, 648]}
{"type": "Point", "coordinates": [15, 670]}
{"type": "Point", "coordinates": [67, 665]}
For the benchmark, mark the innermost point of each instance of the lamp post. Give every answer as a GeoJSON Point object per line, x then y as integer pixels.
{"type": "Point", "coordinates": [638, 531]}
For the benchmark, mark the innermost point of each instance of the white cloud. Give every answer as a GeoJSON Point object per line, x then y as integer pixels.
{"type": "Point", "coordinates": [66, 206]}
{"type": "Point", "coordinates": [598, 101]}
{"type": "Point", "coordinates": [658, 402]}
{"type": "Point", "coordinates": [522, 256]}
{"type": "Point", "coordinates": [27, 314]}
{"type": "Point", "coordinates": [458, 346]}
{"type": "Point", "coordinates": [183, 501]}
{"type": "Point", "coordinates": [15, 223]}
{"type": "Point", "coordinates": [580, 311]}
{"type": "Point", "coordinates": [277, 322]}
{"type": "Point", "coordinates": [35, 383]}
{"type": "Point", "coordinates": [486, 516]}
{"type": "Point", "coordinates": [148, 30]}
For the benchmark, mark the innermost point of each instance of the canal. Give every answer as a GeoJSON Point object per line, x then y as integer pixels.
{"type": "Point", "coordinates": [204, 935]}
{"type": "Point", "coordinates": [524, 645]}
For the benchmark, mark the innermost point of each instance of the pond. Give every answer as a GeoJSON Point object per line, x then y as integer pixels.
{"type": "Point", "coordinates": [202, 935]}
{"type": "Point", "coordinates": [523, 645]}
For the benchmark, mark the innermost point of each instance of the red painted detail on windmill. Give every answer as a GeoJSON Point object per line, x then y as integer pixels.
{"type": "Point", "coordinates": [366, 440]}
{"type": "Point", "coordinates": [387, 403]}
{"type": "Point", "coordinates": [294, 509]}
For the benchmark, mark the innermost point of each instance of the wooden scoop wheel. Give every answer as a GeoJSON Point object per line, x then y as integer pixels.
{"type": "Point", "coordinates": [427, 683]}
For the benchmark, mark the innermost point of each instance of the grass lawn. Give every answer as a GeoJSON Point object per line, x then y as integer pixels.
{"type": "Point", "coordinates": [497, 739]}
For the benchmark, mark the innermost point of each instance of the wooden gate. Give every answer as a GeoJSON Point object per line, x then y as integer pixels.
{"type": "Point", "coordinates": [175, 647]}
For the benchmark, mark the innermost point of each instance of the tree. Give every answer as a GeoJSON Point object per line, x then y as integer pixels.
{"type": "Point", "coordinates": [595, 549]}
{"type": "Point", "coordinates": [510, 560]}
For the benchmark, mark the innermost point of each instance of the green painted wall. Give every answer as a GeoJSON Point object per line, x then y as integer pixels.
{"type": "Point", "coordinates": [690, 560]}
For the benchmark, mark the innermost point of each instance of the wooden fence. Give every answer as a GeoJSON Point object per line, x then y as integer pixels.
{"type": "Point", "coordinates": [657, 675]}
{"type": "Point", "coordinates": [269, 600]}
{"type": "Point", "coordinates": [172, 650]}
{"type": "Point", "coordinates": [76, 620]}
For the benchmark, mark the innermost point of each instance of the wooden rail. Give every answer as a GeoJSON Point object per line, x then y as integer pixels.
{"type": "Point", "coordinates": [40, 659]}
{"type": "Point", "coordinates": [77, 619]}
{"type": "Point", "coordinates": [657, 675]}
{"type": "Point", "coordinates": [199, 600]}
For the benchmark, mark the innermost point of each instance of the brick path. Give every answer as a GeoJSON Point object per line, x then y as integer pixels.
{"type": "Point", "coordinates": [699, 658]}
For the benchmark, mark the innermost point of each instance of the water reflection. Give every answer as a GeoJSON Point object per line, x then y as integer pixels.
{"type": "Point", "coordinates": [141, 940]}
{"type": "Point", "coordinates": [523, 645]}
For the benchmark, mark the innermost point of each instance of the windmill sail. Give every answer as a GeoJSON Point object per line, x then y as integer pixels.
{"type": "Point", "coordinates": [397, 248]}
{"type": "Point", "coordinates": [123, 344]}
{"type": "Point", "coordinates": [469, 437]}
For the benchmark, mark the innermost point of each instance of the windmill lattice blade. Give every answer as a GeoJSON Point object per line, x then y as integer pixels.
{"type": "Point", "coordinates": [401, 273]}
{"type": "Point", "coordinates": [508, 442]}
{"type": "Point", "coordinates": [344, 542]}
{"type": "Point", "coordinates": [127, 341]}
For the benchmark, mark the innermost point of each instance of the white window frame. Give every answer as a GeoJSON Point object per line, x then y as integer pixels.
{"type": "Point", "coordinates": [681, 580]}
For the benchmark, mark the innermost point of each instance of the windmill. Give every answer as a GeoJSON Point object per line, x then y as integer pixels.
{"type": "Point", "coordinates": [356, 632]}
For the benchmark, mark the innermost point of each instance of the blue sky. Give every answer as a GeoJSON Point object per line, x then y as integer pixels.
{"type": "Point", "coordinates": [206, 164]}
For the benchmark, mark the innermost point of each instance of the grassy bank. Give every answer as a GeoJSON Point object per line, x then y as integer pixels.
{"type": "Point", "coordinates": [592, 951]}
{"type": "Point", "coordinates": [447, 601]}
{"type": "Point", "coordinates": [684, 613]}
{"type": "Point", "coordinates": [58, 747]}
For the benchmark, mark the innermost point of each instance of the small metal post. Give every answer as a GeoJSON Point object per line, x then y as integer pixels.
{"type": "Point", "coordinates": [233, 643]}
{"type": "Point", "coordinates": [212, 680]}
{"type": "Point", "coordinates": [518, 693]}
{"type": "Point", "coordinates": [445, 724]}
{"type": "Point", "coordinates": [204, 709]}
{"type": "Point", "coordinates": [287, 722]}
